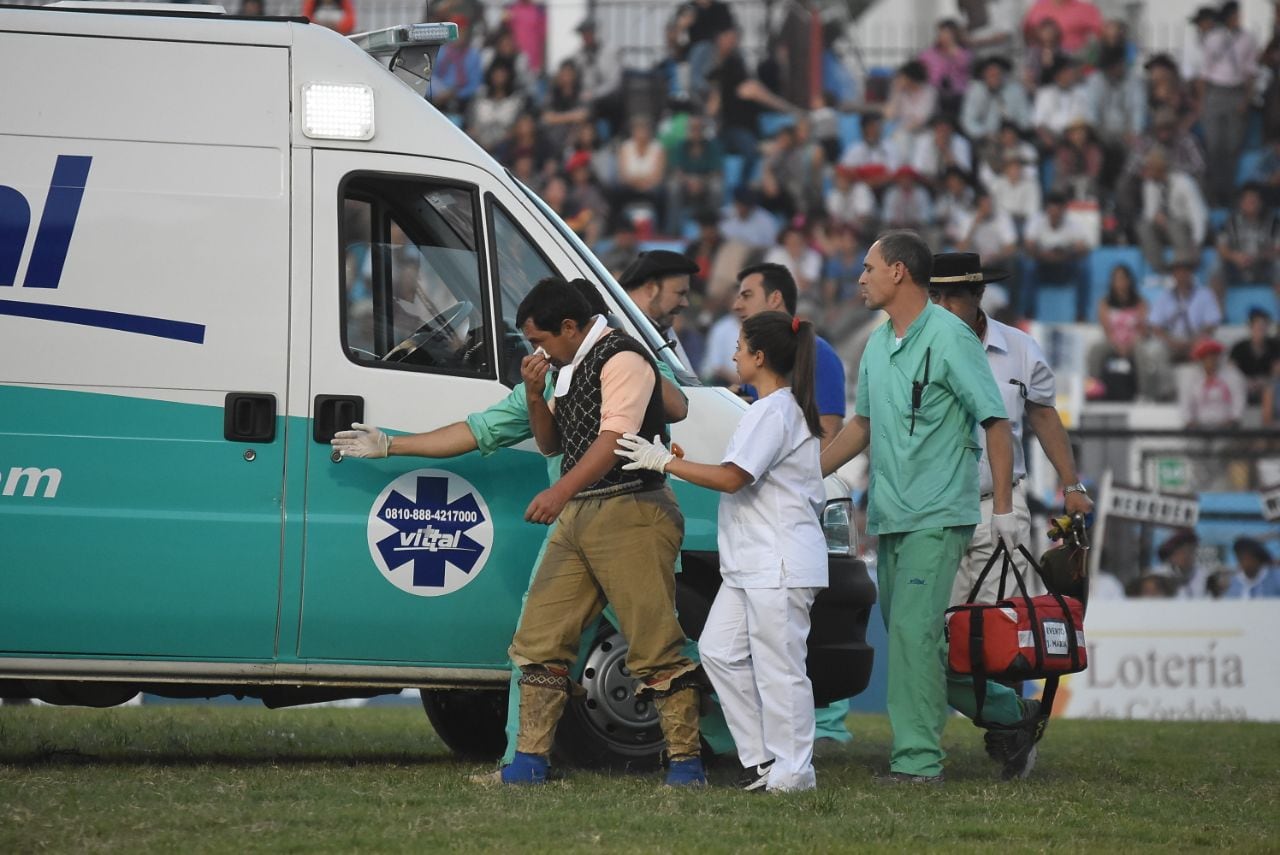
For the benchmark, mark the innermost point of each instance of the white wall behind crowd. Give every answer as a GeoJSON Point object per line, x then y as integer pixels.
{"type": "Point", "coordinates": [1178, 660]}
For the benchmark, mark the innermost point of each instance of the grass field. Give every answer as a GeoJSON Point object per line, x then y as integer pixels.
{"type": "Point", "coordinates": [207, 778]}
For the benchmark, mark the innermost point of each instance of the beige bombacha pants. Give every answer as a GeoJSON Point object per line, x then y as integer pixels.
{"type": "Point", "coordinates": [622, 551]}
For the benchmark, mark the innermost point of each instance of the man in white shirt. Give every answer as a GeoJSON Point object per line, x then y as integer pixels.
{"type": "Point", "coordinates": [1027, 386]}
{"type": "Point", "coordinates": [1173, 212]}
{"type": "Point", "coordinates": [873, 150]}
{"type": "Point", "coordinates": [988, 231]}
{"type": "Point", "coordinates": [1192, 59]}
{"type": "Point", "coordinates": [939, 149]}
{"type": "Point", "coordinates": [1058, 246]}
{"type": "Point", "coordinates": [1058, 102]}
{"type": "Point", "coordinates": [1229, 67]}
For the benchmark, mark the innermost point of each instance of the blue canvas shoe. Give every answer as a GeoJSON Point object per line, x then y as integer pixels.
{"type": "Point", "coordinates": [686, 773]}
{"type": "Point", "coordinates": [525, 769]}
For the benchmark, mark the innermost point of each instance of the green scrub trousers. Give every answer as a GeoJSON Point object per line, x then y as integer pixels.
{"type": "Point", "coordinates": [916, 571]}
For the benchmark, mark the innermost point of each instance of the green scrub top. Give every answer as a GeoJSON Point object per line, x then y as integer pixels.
{"type": "Point", "coordinates": [925, 474]}
{"type": "Point", "coordinates": [506, 423]}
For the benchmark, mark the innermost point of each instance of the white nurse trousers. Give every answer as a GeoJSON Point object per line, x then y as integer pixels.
{"type": "Point", "coordinates": [753, 648]}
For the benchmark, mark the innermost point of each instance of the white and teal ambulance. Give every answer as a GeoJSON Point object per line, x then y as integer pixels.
{"type": "Point", "coordinates": [221, 240]}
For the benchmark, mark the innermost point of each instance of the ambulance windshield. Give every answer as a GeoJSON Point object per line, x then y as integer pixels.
{"type": "Point", "coordinates": [663, 348]}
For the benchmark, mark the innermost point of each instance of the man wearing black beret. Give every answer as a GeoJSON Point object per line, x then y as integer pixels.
{"type": "Point", "coordinates": [658, 283]}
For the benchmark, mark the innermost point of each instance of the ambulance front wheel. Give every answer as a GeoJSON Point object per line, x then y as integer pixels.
{"type": "Point", "coordinates": [470, 722]}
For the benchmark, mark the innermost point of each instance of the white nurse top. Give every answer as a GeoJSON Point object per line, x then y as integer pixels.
{"type": "Point", "coordinates": [770, 531]}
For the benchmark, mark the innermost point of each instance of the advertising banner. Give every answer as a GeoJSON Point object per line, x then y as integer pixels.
{"type": "Point", "coordinates": [1211, 660]}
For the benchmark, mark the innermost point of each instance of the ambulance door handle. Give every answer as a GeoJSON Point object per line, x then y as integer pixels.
{"type": "Point", "coordinates": [333, 413]}
{"type": "Point", "coordinates": [249, 417]}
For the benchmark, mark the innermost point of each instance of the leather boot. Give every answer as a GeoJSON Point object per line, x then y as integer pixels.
{"type": "Point", "coordinates": [542, 700]}
{"type": "Point", "coordinates": [678, 713]}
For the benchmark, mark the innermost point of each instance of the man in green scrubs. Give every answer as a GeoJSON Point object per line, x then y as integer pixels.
{"type": "Point", "coordinates": [503, 425]}
{"type": "Point", "coordinates": [924, 384]}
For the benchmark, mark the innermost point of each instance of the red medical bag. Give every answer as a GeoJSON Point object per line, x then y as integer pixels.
{"type": "Point", "coordinates": [1018, 638]}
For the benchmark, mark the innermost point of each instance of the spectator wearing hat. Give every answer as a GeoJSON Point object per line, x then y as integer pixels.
{"type": "Point", "coordinates": [1009, 140]}
{"type": "Point", "coordinates": [906, 202]}
{"type": "Point", "coordinates": [1230, 66]}
{"type": "Point", "coordinates": [1180, 146]}
{"type": "Point", "coordinates": [1257, 575]}
{"type": "Point", "coordinates": [745, 222]}
{"type": "Point", "coordinates": [1185, 313]}
{"type": "Point", "coordinates": [1248, 243]}
{"type": "Point", "coordinates": [658, 283]}
{"type": "Point", "coordinates": [1173, 212]}
{"type": "Point", "coordinates": [988, 232]}
{"type": "Point", "coordinates": [1058, 246]}
{"type": "Point", "coordinates": [851, 201]}
{"type": "Point", "coordinates": [1256, 356]}
{"type": "Point", "coordinates": [696, 176]}
{"type": "Point", "coordinates": [1028, 389]}
{"type": "Point", "coordinates": [1203, 21]}
{"type": "Point", "coordinates": [940, 149]}
{"type": "Point", "coordinates": [873, 154]}
{"type": "Point", "coordinates": [1016, 192]}
{"type": "Point", "coordinates": [992, 98]}
{"type": "Point", "coordinates": [1212, 395]}
{"type": "Point", "coordinates": [1079, 162]}
{"type": "Point", "coordinates": [1060, 98]}
{"type": "Point", "coordinates": [912, 103]}
{"type": "Point", "coordinates": [1079, 20]}
{"type": "Point", "coordinates": [948, 63]}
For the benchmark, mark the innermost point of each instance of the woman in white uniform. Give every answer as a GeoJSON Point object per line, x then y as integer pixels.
{"type": "Point", "coordinates": [773, 556]}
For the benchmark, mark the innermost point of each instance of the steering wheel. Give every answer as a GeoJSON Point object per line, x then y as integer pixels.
{"type": "Point", "coordinates": [434, 338]}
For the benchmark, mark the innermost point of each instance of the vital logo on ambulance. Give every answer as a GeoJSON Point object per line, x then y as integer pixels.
{"type": "Point", "coordinates": [430, 532]}
{"type": "Point", "coordinates": [48, 257]}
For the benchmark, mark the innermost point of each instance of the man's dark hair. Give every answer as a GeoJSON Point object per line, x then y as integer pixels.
{"type": "Point", "coordinates": [909, 248]}
{"type": "Point", "coordinates": [774, 277]}
{"type": "Point", "coordinates": [552, 302]}
{"type": "Point", "coordinates": [589, 293]}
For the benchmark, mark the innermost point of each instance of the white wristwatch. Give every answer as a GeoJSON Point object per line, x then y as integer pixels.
{"type": "Point", "coordinates": [1075, 488]}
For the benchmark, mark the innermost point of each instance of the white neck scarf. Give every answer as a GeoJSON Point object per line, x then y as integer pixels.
{"type": "Point", "coordinates": [565, 375]}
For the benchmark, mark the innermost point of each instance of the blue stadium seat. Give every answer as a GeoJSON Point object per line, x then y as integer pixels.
{"type": "Point", "coordinates": [1208, 261]}
{"type": "Point", "coordinates": [771, 123]}
{"type": "Point", "coordinates": [1218, 218]}
{"type": "Point", "coordinates": [1242, 298]}
{"type": "Point", "coordinates": [1101, 262]}
{"type": "Point", "coordinates": [850, 125]}
{"type": "Point", "coordinates": [1248, 165]}
{"type": "Point", "coordinates": [1056, 304]}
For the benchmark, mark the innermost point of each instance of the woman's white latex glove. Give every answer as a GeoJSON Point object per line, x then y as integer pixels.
{"type": "Point", "coordinates": [361, 441]}
{"type": "Point", "coordinates": [642, 453]}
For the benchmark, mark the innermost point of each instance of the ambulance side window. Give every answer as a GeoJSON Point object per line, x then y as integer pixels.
{"type": "Point", "coordinates": [519, 266]}
{"type": "Point", "coordinates": [413, 295]}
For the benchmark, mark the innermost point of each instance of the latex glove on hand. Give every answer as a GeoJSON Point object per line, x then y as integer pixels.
{"type": "Point", "coordinates": [1005, 527]}
{"type": "Point", "coordinates": [361, 441]}
{"type": "Point", "coordinates": [642, 453]}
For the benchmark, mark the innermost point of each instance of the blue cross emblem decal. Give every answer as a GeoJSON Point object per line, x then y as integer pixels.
{"type": "Point", "coordinates": [430, 531]}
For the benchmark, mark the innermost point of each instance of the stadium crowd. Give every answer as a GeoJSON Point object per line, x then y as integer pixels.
{"type": "Point", "coordinates": [1131, 191]}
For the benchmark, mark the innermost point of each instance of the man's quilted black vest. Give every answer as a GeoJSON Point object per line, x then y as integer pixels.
{"type": "Point", "coordinates": [577, 416]}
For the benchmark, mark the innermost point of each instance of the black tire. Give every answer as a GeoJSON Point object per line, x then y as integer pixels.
{"type": "Point", "coordinates": [610, 727]}
{"type": "Point", "coordinates": [471, 722]}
